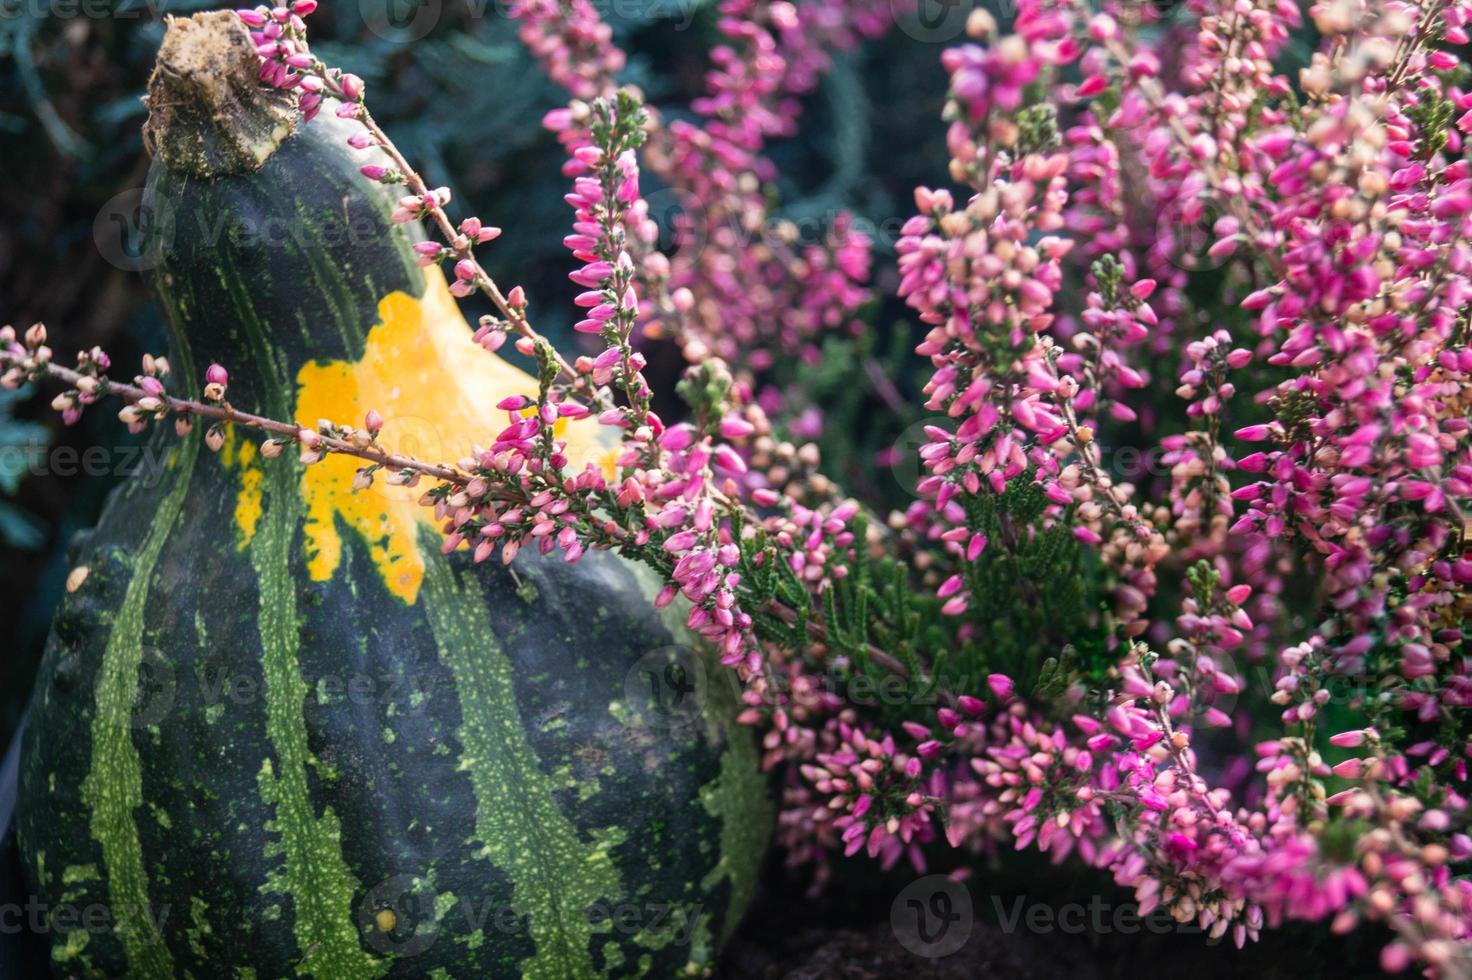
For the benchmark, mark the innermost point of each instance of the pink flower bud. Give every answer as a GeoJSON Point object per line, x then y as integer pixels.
{"type": "Point", "coordinates": [735, 427]}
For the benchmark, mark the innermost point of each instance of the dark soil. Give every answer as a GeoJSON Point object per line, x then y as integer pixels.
{"type": "Point", "coordinates": [844, 954]}
{"type": "Point", "coordinates": [1035, 921]}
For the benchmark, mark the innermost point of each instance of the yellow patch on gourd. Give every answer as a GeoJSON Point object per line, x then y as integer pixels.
{"type": "Point", "coordinates": [437, 392]}
{"type": "Point", "coordinates": [240, 453]}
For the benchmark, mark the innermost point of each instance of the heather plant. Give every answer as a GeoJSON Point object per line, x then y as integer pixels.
{"type": "Point", "coordinates": [1238, 682]}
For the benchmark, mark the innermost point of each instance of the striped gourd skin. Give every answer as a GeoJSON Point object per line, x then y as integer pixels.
{"type": "Point", "coordinates": [334, 768]}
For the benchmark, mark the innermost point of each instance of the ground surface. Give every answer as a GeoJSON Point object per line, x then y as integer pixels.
{"type": "Point", "coordinates": [1036, 923]}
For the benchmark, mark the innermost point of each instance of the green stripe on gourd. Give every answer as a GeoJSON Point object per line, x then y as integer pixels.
{"type": "Point", "coordinates": [112, 787]}
{"type": "Point", "coordinates": [555, 875]}
{"type": "Point", "coordinates": [315, 880]}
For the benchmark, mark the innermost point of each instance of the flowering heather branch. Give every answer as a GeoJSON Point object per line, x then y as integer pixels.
{"type": "Point", "coordinates": [147, 401]}
{"type": "Point", "coordinates": [777, 52]}
{"type": "Point", "coordinates": [987, 276]}
{"type": "Point", "coordinates": [573, 43]}
{"type": "Point", "coordinates": [743, 292]}
{"type": "Point", "coordinates": [603, 197]}
{"type": "Point", "coordinates": [1094, 643]}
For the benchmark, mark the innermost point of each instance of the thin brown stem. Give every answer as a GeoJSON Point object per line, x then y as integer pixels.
{"type": "Point", "coordinates": [224, 412]}
{"type": "Point", "coordinates": [33, 367]}
{"type": "Point", "coordinates": [514, 315]}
